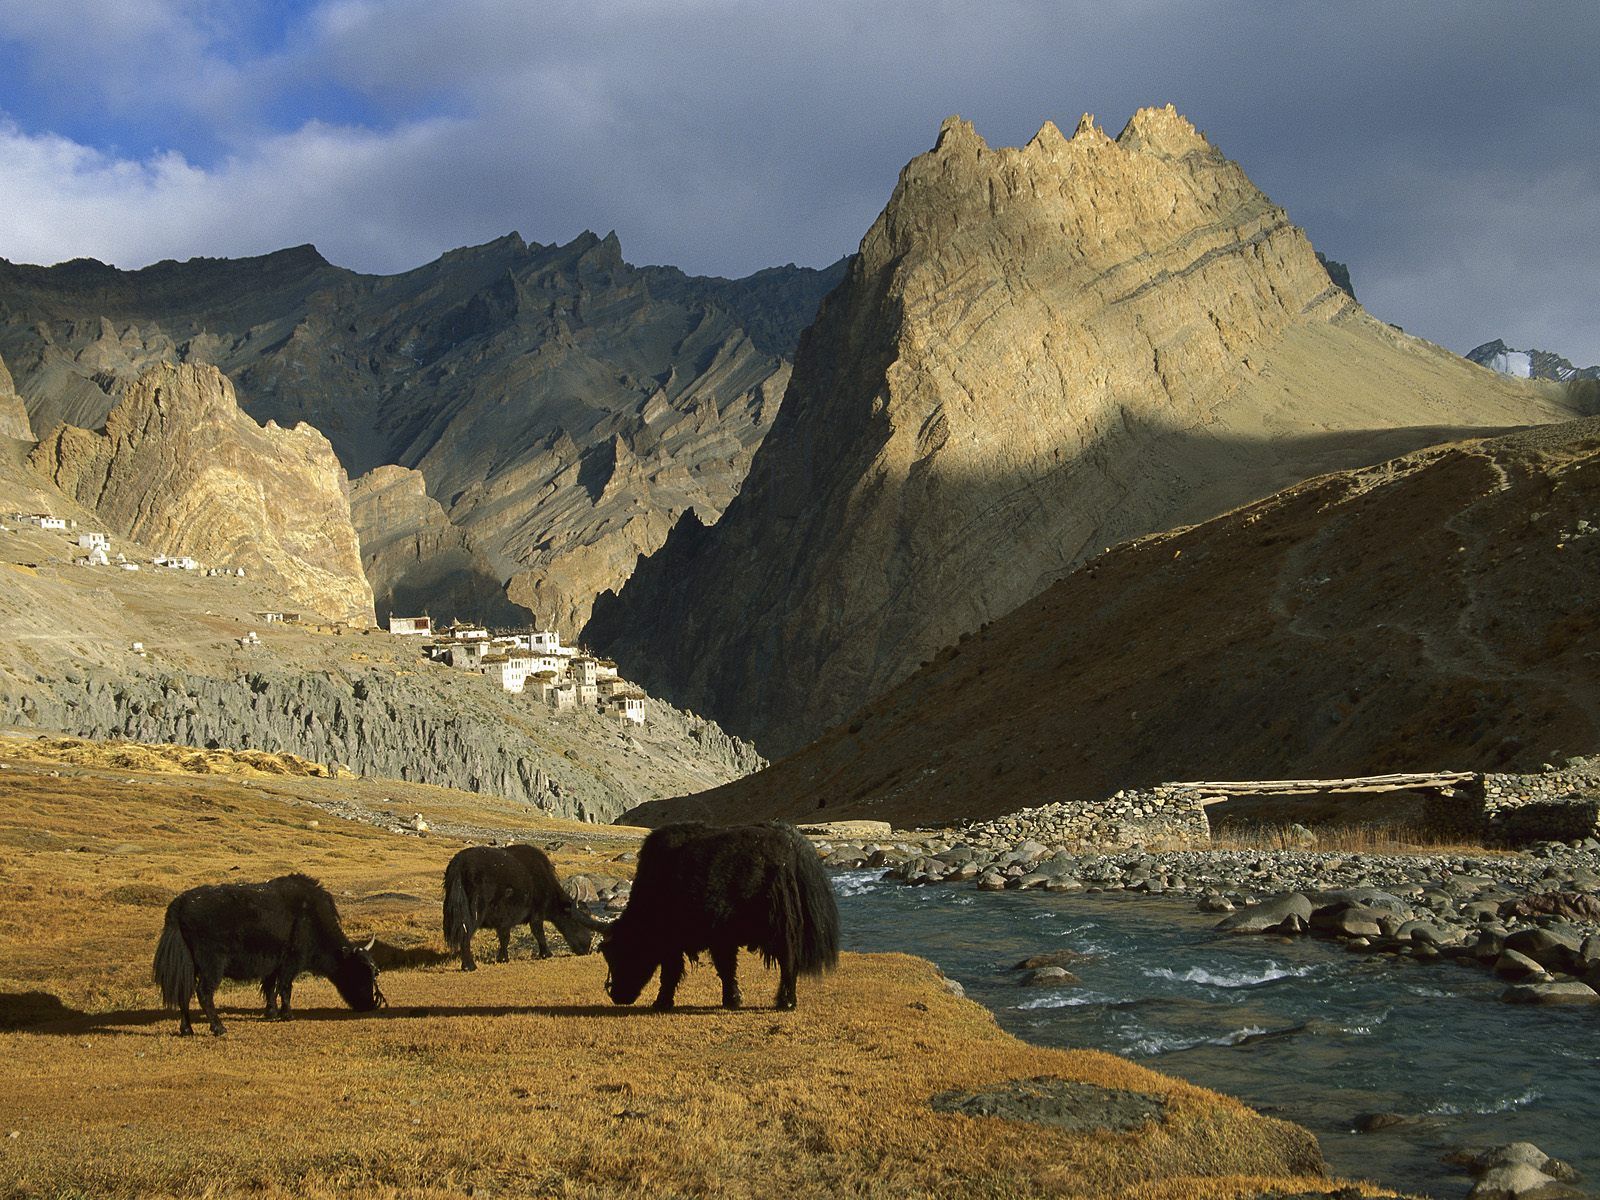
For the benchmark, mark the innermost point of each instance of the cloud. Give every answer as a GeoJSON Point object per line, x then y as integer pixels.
{"type": "Point", "coordinates": [1449, 158]}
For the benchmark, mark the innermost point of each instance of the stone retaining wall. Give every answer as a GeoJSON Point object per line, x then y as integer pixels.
{"type": "Point", "coordinates": [1164, 816]}
{"type": "Point", "coordinates": [1556, 805]}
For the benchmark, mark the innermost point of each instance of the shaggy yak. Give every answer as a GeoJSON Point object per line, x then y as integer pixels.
{"type": "Point", "coordinates": [488, 887]}
{"type": "Point", "coordinates": [270, 932]}
{"type": "Point", "coordinates": [704, 888]}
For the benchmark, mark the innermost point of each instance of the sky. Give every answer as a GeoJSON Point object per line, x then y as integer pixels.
{"type": "Point", "coordinates": [1448, 152]}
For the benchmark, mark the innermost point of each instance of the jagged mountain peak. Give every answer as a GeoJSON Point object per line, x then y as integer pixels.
{"type": "Point", "coordinates": [1037, 352]}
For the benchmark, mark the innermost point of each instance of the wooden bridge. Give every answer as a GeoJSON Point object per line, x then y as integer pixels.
{"type": "Point", "coordinates": [1215, 792]}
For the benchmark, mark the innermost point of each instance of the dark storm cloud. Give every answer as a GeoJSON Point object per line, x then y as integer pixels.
{"type": "Point", "coordinates": [1447, 152]}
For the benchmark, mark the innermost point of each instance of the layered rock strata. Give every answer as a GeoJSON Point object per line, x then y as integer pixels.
{"type": "Point", "coordinates": [1037, 353]}
{"type": "Point", "coordinates": [179, 467]}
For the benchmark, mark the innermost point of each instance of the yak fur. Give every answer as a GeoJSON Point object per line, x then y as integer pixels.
{"type": "Point", "coordinates": [270, 932]}
{"type": "Point", "coordinates": [702, 888]}
{"type": "Point", "coordinates": [501, 887]}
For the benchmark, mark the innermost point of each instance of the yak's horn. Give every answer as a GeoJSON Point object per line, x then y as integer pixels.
{"type": "Point", "coordinates": [371, 942]}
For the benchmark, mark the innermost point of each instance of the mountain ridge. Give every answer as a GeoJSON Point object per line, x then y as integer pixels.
{"type": "Point", "coordinates": [497, 371]}
{"type": "Point", "coordinates": [1037, 352]}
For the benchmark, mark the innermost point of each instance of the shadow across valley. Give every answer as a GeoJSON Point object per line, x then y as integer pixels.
{"type": "Point", "coordinates": [42, 1013]}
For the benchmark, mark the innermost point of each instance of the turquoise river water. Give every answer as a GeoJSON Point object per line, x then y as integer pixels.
{"type": "Point", "coordinates": [1299, 1028]}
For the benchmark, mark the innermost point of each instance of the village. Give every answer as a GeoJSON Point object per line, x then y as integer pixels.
{"type": "Point", "coordinates": [96, 547]}
{"type": "Point", "coordinates": [534, 664]}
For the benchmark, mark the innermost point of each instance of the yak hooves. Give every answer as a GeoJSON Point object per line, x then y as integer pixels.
{"type": "Point", "coordinates": [663, 1004]}
{"type": "Point", "coordinates": [185, 1031]}
{"type": "Point", "coordinates": [784, 1002]}
{"type": "Point", "coordinates": [469, 966]}
{"type": "Point", "coordinates": [734, 1001]}
{"type": "Point", "coordinates": [218, 1029]}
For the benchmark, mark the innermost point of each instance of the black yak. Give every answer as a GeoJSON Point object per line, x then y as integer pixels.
{"type": "Point", "coordinates": [272, 932]}
{"type": "Point", "coordinates": [703, 888]}
{"type": "Point", "coordinates": [499, 888]}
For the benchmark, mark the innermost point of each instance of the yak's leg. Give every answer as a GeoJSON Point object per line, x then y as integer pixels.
{"type": "Point", "coordinates": [208, 1002]}
{"type": "Point", "coordinates": [185, 1025]}
{"type": "Point", "coordinates": [726, 960]}
{"type": "Point", "coordinates": [671, 973]}
{"type": "Point", "coordinates": [504, 933]}
{"type": "Point", "coordinates": [269, 993]}
{"type": "Point", "coordinates": [786, 977]}
{"type": "Point", "coordinates": [285, 986]}
{"type": "Point", "coordinates": [537, 925]}
{"type": "Point", "coordinates": [468, 963]}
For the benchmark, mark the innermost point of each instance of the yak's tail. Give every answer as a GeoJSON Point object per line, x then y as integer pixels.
{"type": "Point", "coordinates": [807, 911]}
{"type": "Point", "coordinates": [457, 910]}
{"type": "Point", "coordinates": [174, 965]}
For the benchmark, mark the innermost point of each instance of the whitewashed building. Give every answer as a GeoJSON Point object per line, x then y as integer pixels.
{"type": "Point", "coordinates": [411, 626]}
{"type": "Point", "coordinates": [510, 674]}
{"type": "Point", "coordinates": [93, 541]}
{"type": "Point", "coordinates": [628, 706]}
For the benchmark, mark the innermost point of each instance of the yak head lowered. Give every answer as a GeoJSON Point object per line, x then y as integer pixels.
{"type": "Point", "coordinates": [576, 925]}
{"type": "Point", "coordinates": [356, 977]}
{"type": "Point", "coordinates": [629, 965]}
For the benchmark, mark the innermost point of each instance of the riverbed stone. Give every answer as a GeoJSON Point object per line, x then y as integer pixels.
{"type": "Point", "coordinates": [1553, 949]}
{"type": "Point", "coordinates": [1552, 991]}
{"type": "Point", "coordinates": [1051, 977]}
{"type": "Point", "coordinates": [1512, 964]}
{"type": "Point", "coordinates": [1268, 915]}
{"type": "Point", "coordinates": [1051, 958]}
{"type": "Point", "coordinates": [1509, 1181]}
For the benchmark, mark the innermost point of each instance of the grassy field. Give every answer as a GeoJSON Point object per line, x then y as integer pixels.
{"type": "Point", "coordinates": [519, 1080]}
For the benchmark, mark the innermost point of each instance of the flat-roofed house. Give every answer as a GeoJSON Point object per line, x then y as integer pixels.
{"type": "Point", "coordinates": [411, 626]}
{"type": "Point", "coordinates": [628, 706]}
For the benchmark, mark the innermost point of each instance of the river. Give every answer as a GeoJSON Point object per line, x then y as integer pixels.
{"type": "Point", "coordinates": [1300, 1028]}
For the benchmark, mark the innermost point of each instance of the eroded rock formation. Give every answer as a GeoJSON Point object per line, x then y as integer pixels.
{"type": "Point", "coordinates": [180, 468]}
{"type": "Point", "coordinates": [565, 407]}
{"type": "Point", "coordinates": [1038, 352]}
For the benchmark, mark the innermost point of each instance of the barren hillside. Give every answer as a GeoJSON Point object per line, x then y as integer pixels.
{"type": "Point", "coordinates": [1435, 611]}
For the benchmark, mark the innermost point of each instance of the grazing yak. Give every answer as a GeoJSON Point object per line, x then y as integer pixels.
{"type": "Point", "coordinates": [500, 887]}
{"type": "Point", "coordinates": [704, 888]}
{"type": "Point", "coordinates": [272, 932]}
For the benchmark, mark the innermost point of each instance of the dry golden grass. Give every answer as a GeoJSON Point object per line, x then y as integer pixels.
{"type": "Point", "coordinates": [1348, 839]}
{"type": "Point", "coordinates": [517, 1080]}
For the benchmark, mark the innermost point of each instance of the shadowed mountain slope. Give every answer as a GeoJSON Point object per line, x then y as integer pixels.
{"type": "Point", "coordinates": [1037, 353]}
{"type": "Point", "coordinates": [1432, 612]}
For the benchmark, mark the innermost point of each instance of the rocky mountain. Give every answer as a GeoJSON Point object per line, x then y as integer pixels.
{"type": "Point", "coordinates": [1433, 612]}
{"type": "Point", "coordinates": [180, 467]}
{"type": "Point", "coordinates": [1529, 364]}
{"type": "Point", "coordinates": [1338, 273]}
{"type": "Point", "coordinates": [14, 422]}
{"type": "Point", "coordinates": [416, 560]}
{"type": "Point", "coordinates": [160, 655]}
{"type": "Point", "coordinates": [1037, 353]}
{"type": "Point", "coordinates": [563, 406]}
